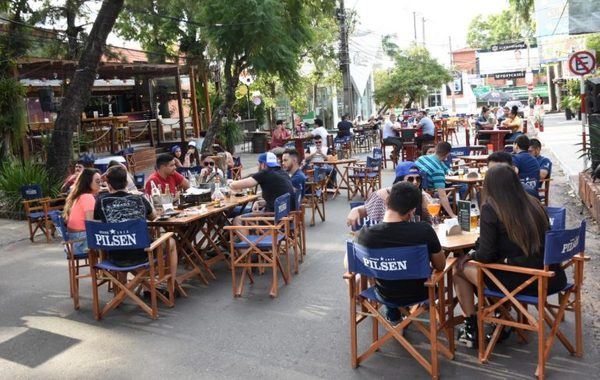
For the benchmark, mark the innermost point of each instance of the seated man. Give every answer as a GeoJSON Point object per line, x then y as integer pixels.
{"type": "Point", "coordinates": [483, 123]}
{"type": "Point", "coordinates": [535, 149]}
{"type": "Point", "coordinates": [397, 231]}
{"type": "Point", "coordinates": [320, 153]}
{"type": "Point", "coordinates": [209, 172]}
{"type": "Point", "coordinates": [166, 175]}
{"type": "Point", "coordinates": [273, 181]}
{"type": "Point", "coordinates": [319, 131]}
{"type": "Point", "coordinates": [120, 206]}
{"type": "Point", "coordinates": [344, 127]}
{"type": "Point", "coordinates": [291, 165]}
{"type": "Point", "coordinates": [390, 133]}
{"type": "Point", "coordinates": [425, 124]}
{"type": "Point", "coordinates": [526, 166]}
{"type": "Point", "coordinates": [70, 180]}
{"type": "Point", "coordinates": [434, 169]}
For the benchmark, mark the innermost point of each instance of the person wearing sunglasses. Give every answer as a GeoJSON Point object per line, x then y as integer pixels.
{"type": "Point", "coordinates": [375, 205]}
{"type": "Point", "coordinates": [209, 171]}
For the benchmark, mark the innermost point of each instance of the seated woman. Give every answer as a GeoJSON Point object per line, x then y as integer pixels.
{"type": "Point", "coordinates": [280, 134]}
{"type": "Point", "coordinates": [192, 158]}
{"type": "Point", "coordinates": [513, 226]}
{"type": "Point", "coordinates": [176, 152]}
{"type": "Point", "coordinates": [375, 205]}
{"type": "Point", "coordinates": [514, 122]}
{"type": "Point", "coordinates": [79, 206]}
{"type": "Point", "coordinates": [130, 182]}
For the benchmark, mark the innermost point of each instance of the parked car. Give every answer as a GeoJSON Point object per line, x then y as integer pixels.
{"type": "Point", "coordinates": [407, 113]}
{"type": "Point", "coordinates": [433, 111]}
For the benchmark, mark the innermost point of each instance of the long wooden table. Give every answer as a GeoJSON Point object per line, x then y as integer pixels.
{"type": "Point", "coordinates": [470, 182]}
{"type": "Point", "coordinates": [195, 232]}
{"type": "Point", "coordinates": [456, 244]}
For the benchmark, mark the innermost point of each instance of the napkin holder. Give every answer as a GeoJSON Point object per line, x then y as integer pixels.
{"type": "Point", "coordinates": [472, 175]}
{"type": "Point", "coordinates": [452, 227]}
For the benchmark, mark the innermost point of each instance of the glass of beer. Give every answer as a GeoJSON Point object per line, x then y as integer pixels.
{"type": "Point", "coordinates": [434, 208]}
{"type": "Point", "coordinates": [474, 221]}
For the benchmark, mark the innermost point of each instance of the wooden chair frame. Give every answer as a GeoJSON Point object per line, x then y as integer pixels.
{"type": "Point", "coordinates": [544, 191]}
{"type": "Point", "coordinates": [440, 319]}
{"type": "Point", "coordinates": [148, 277]}
{"type": "Point", "coordinates": [364, 183]}
{"type": "Point", "coordinates": [315, 199]}
{"type": "Point", "coordinates": [42, 222]}
{"type": "Point", "coordinates": [569, 299]}
{"type": "Point", "coordinates": [263, 227]}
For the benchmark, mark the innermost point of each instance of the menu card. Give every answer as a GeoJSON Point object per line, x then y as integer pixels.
{"type": "Point", "coordinates": [464, 215]}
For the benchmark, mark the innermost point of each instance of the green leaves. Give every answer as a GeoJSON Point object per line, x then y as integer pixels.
{"type": "Point", "coordinates": [496, 28]}
{"type": "Point", "coordinates": [415, 73]}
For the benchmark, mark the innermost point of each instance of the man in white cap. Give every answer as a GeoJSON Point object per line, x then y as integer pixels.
{"type": "Point", "coordinates": [273, 181]}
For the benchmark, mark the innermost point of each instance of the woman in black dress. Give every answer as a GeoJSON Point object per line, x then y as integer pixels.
{"type": "Point", "coordinates": [513, 227]}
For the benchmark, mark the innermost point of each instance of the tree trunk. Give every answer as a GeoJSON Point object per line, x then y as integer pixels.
{"type": "Point", "coordinates": [79, 92]}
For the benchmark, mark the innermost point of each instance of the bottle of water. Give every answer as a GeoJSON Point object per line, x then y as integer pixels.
{"type": "Point", "coordinates": [217, 195]}
{"type": "Point", "coordinates": [192, 179]}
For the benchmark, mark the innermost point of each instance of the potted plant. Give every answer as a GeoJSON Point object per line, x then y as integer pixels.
{"type": "Point", "coordinates": [565, 104]}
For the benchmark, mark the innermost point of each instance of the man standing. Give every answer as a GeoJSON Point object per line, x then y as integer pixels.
{"type": "Point", "coordinates": [344, 127]}
{"type": "Point", "coordinates": [397, 230]}
{"type": "Point", "coordinates": [425, 124]}
{"type": "Point", "coordinates": [166, 175]}
{"type": "Point", "coordinates": [292, 167]}
{"type": "Point", "coordinates": [526, 166]}
{"type": "Point", "coordinates": [273, 181]}
{"type": "Point", "coordinates": [389, 133]}
{"type": "Point", "coordinates": [545, 164]}
{"type": "Point", "coordinates": [120, 206]}
{"type": "Point", "coordinates": [434, 169]}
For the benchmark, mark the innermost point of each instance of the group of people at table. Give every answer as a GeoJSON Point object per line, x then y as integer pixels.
{"type": "Point", "coordinates": [513, 223]}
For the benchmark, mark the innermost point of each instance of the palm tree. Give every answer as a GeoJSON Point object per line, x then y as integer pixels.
{"type": "Point", "coordinates": [523, 10]}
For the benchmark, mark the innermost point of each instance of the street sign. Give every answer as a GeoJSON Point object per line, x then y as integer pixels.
{"type": "Point", "coordinates": [582, 62]}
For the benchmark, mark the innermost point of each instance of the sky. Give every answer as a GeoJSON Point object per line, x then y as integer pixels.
{"type": "Point", "coordinates": [443, 18]}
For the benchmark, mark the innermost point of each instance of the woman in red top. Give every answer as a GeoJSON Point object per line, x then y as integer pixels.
{"type": "Point", "coordinates": [79, 206]}
{"type": "Point", "coordinates": [280, 134]}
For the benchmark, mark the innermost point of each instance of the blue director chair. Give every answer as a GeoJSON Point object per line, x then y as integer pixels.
{"type": "Point", "coordinates": [400, 263]}
{"type": "Point", "coordinates": [114, 238]}
{"type": "Point", "coordinates": [562, 247]}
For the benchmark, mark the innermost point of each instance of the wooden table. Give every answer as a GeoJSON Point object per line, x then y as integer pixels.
{"type": "Point", "coordinates": [342, 174]}
{"type": "Point", "coordinates": [470, 182]}
{"type": "Point", "coordinates": [496, 137]}
{"type": "Point", "coordinates": [187, 227]}
{"type": "Point", "coordinates": [456, 243]}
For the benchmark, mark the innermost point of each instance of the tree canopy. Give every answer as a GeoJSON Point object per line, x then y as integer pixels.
{"type": "Point", "coordinates": [414, 75]}
{"type": "Point", "coordinates": [495, 29]}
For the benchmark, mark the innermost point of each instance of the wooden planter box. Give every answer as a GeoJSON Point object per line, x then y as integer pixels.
{"type": "Point", "coordinates": [589, 193]}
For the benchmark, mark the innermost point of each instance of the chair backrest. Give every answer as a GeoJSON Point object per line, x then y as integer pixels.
{"type": "Point", "coordinates": [377, 153]}
{"type": "Point", "coordinates": [132, 234]}
{"type": "Point", "coordinates": [373, 162]}
{"type": "Point", "coordinates": [139, 180]}
{"type": "Point", "coordinates": [59, 223]}
{"type": "Point", "coordinates": [397, 263]}
{"type": "Point", "coordinates": [33, 191]}
{"type": "Point", "coordinates": [557, 217]}
{"type": "Point", "coordinates": [562, 245]}
{"type": "Point", "coordinates": [237, 161]}
{"type": "Point", "coordinates": [458, 151]}
{"type": "Point", "coordinates": [298, 195]}
{"type": "Point", "coordinates": [282, 206]}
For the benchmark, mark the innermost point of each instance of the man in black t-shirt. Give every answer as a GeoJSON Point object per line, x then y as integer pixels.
{"type": "Point", "coordinates": [120, 206]}
{"type": "Point", "coordinates": [273, 181]}
{"type": "Point", "coordinates": [344, 127]}
{"type": "Point", "coordinates": [397, 231]}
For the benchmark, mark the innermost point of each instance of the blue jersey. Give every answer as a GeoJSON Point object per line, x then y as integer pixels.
{"type": "Point", "coordinates": [529, 169]}
{"type": "Point", "coordinates": [545, 164]}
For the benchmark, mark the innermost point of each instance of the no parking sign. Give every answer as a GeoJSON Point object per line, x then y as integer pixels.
{"type": "Point", "coordinates": [582, 62]}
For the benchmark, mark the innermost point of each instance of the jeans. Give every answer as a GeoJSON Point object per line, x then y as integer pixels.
{"type": "Point", "coordinates": [81, 246]}
{"type": "Point", "coordinates": [396, 141]}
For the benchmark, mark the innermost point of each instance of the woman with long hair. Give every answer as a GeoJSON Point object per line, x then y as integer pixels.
{"type": "Point", "coordinates": [192, 158]}
{"type": "Point", "coordinates": [513, 227]}
{"type": "Point", "coordinates": [79, 206]}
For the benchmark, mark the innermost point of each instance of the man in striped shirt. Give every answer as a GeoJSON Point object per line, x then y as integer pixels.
{"type": "Point", "coordinates": [434, 169]}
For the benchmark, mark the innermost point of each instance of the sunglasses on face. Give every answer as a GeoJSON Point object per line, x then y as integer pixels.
{"type": "Point", "coordinates": [412, 178]}
{"type": "Point", "coordinates": [317, 142]}
{"type": "Point", "coordinates": [206, 163]}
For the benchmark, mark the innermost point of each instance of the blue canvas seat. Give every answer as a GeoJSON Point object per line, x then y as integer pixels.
{"type": "Point", "coordinates": [38, 208]}
{"type": "Point", "coordinates": [564, 247]}
{"type": "Point", "coordinates": [259, 243]}
{"type": "Point", "coordinates": [116, 238]}
{"type": "Point", "coordinates": [400, 263]}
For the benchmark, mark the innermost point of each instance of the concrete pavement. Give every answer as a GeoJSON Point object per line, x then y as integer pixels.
{"type": "Point", "coordinates": [303, 334]}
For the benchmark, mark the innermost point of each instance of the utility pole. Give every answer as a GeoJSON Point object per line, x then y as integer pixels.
{"type": "Point", "coordinates": [452, 70]}
{"type": "Point", "coordinates": [423, 24]}
{"type": "Point", "coordinates": [345, 62]}
{"type": "Point", "coordinates": [415, 25]}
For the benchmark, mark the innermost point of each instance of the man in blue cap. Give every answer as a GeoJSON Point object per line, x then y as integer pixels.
{"type": "Point", "coordinates": [273, 181]}
{"type": "Point", "coordinates": [375, 205]}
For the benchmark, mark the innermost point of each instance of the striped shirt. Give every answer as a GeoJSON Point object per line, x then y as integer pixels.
{"type": "Point", "coordinates": [434, 170]}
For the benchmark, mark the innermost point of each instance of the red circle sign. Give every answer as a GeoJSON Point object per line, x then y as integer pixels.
{"type": "Point", "coordinates": [582, 62]}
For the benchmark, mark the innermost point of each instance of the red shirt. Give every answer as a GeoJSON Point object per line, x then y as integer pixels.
{"type": "Point", "coordinates": [173, 181]}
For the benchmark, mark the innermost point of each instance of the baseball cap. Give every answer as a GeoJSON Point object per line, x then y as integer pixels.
{"type": "Point", "coordinates": [269, 159]}
{"type": "Point", "coordinates": [405, 168]}
{"type": "Point", "coordinates": [192, 143]}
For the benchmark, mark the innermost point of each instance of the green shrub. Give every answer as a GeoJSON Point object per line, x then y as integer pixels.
{"type": "Point", "coordinates": [15, 173]}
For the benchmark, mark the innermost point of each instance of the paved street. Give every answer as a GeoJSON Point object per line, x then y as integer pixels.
{"type": "Point", "coordinates": [301, 334]}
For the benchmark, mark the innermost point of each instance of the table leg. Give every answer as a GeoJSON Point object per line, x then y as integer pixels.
{"type": "Point", "coordinates": [183, 238]}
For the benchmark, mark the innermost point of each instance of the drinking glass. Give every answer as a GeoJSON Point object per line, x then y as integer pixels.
{"type": "Point", "coordinates": [433, 207]}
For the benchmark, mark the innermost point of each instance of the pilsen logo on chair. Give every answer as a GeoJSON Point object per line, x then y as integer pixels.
{"type": "Point", "coordinates": [116, 238]}
{"type": "Point", "coordinates": [571, 245]}
{"type": "Point", "coordinates": [383, 264]}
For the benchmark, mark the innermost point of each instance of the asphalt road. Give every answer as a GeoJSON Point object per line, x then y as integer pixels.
{"type": "Point", "coordinates": [300, 335]}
